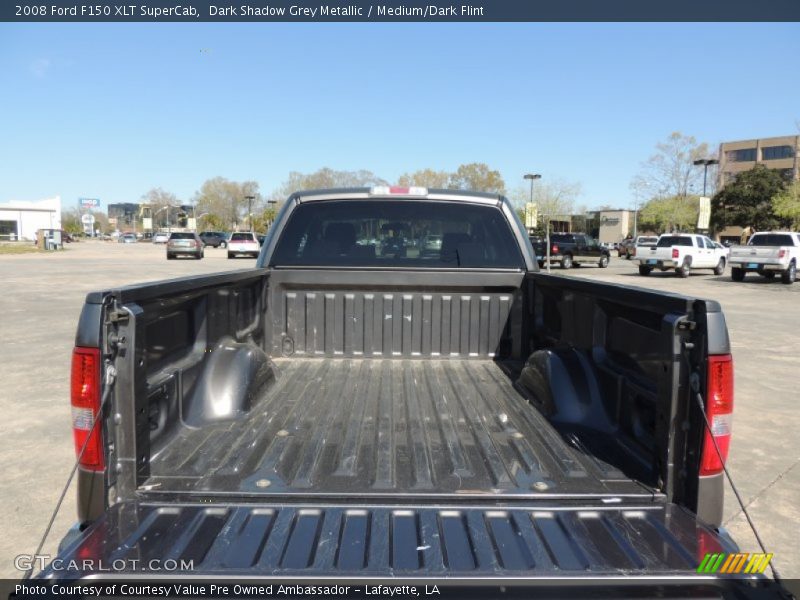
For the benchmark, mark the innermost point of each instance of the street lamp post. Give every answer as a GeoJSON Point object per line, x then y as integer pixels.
{"type": "Point", "coordinates": [533, 177]}
{"type": "Point", "coordinates": [250, 211]}
{"type": "Point", "coordinates": [705, 162]}
{"type": "Point", "coordinates": [636, 201]}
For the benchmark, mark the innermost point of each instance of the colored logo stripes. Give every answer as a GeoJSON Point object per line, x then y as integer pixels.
{"type": "Point", "coordinates": [740, 562]}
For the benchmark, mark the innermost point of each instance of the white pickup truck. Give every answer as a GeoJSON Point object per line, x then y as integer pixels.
{"type": "Point", "coordinates": [767, 253]}
{"type": "Point", "coordinates": [682, 252]}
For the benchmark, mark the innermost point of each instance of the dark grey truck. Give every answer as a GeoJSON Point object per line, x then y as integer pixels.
{"type": "Point", "coordinates": [356, 409]}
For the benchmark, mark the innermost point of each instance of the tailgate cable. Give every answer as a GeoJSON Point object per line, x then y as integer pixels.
{"type": "Point", "coordinates": [110, 376]}
{"type": "Point", "coordinates": [695, 383]}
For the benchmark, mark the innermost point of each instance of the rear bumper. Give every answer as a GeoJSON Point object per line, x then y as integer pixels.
{"type": "Point", "coordinates": [184, 251]}
{"type": "Point", "coordinates": [658, 264]}
{"type": "Point", "coordinates": [759, 265]}
{"type": "Point", "coordinates": [233, 249]}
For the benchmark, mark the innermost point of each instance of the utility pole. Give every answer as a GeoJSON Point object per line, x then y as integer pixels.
{"type": "Point", "coordinates": [533, 177]}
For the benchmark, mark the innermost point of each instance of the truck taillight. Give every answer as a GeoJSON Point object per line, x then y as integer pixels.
{"type": "Point", "coordinates": [398, 190]}
{"type": "Point", "coordinates": [782, 253]}
{"type": "Point", "coordinates": [554, 249]}
{"type": "Point", "coordinates": [675, 253]}
{"type": "Point", "coordinates": [85, 400]}
{"type": "Point", "coordinates": [719, 411]}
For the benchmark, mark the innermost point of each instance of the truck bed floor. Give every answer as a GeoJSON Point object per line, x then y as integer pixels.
{"type": "Point", "coordinates": [358, 428]}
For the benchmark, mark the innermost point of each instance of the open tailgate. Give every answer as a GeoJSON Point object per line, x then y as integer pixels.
{"type": "Point", "coordinates": [505, 544]}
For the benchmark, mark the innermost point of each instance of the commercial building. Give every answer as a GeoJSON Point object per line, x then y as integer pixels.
{"type": "Point", "coordinates": [130, 216]}
{"type": "Point", "coordinates": [779, 153]}
{"type": "Point", "coordinates": [20, 219]}
{"type": "Point", "coordinates": [607, 226]}
{"type": "Point", "coordinates": [615, 225]}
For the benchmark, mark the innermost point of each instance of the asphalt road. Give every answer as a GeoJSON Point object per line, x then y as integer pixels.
{"type": "Point", "coordinates": [43, 294]}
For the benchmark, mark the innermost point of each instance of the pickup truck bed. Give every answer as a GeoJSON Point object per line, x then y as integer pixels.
{"type": "Point", "coordinates": [349, 409]}
{"type": "Point", "coordinates": [386, 427]}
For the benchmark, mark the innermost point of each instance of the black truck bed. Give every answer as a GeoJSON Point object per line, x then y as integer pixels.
{"type": "Point", "coordinates": [330, 427]}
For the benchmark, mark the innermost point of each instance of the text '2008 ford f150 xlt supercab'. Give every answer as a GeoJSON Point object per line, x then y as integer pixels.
{"type": "Point", "coordinates": [357, 409]}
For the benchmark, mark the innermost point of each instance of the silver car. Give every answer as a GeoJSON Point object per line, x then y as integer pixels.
{"type": "Point", "coordinates": [184, 244]}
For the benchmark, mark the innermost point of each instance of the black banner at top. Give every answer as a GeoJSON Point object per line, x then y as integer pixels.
{"type": "Point", "coordinates": [396, 10]}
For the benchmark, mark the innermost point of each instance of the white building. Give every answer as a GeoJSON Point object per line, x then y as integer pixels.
{"type": "Point", "coordinates": [20, 219]}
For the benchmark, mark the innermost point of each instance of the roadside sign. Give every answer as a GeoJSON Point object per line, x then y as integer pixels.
{"type": "Point", "coordinates": [88, 223]}
{"type": "Point", "coordinates": [531, 215]}
{"type": "Point", "coordinates": [704, 216]}
{"type": "Point", "coordinates": [89, 202]}
{"type": "Point", "coordinates": [147, 223]}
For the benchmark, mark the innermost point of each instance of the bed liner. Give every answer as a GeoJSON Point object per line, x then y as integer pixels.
{"type": "Point", "coordinates": [359, 427]}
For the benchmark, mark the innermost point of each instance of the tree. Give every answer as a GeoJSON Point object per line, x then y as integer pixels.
{"type": "Point", "coordinates": [71, 221]}
{"type": "Point", "coordinates": [671, 172]}
{"type": "Point", "coordinates": [323, 179]}
{"type": "Point", "coordinates": [425, 178]}
{"type": "Point", "coordinates": [226, 202]}
{"type": "Point", "coordinates": [555, 197]}
{"type": "Point", "coordinates": [101, 224]}
{"type": "Point", "coordinates": [672, 213]}
{"type": "Point", "coordinates": [747, 201]}
{"type": "Point", "coordinates": [264, 218]}
{"type": "Point", "coordinates": [477, 177]}
{"type": "Point", "coordinates": [786, 204]}
{"type": "Point", "coordinates": [158, 199]}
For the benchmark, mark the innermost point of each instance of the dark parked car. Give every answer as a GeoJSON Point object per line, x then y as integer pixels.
{"type": "Point", "coordinates": [215, 239]}
{"type": "Point", "coordinates": [571, 249]}
{"type": "Point", "coordinates": [184, 243]}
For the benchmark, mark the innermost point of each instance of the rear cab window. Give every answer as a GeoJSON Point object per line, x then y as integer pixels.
{"type": "Point", "coordinates": [771, 239]}
{"type": "Point", "coordinates": [242, 237]}
{"type": "Point", "coordinates": [397, 233]}
{"type": "Point", "coordinates": [560, 238]}
{"type": "Point", "coordinates": [665, 241]}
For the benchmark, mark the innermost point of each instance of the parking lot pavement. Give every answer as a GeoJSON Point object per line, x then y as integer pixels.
{"type": "Point", "coordinates": [43, 294]}
{"type": "Point", "coordinates": [39, 307]}
{"type": "Point", "coordinates": [763, 321]}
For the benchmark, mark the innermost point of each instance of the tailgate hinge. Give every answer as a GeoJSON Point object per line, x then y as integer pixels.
{"type": "Point", "coordinates": [687, 325]}
{"type": "Point", "coordinates": [115, 316]}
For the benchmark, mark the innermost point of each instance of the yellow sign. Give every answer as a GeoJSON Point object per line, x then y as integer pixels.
{"type": "Point", "coordinates": [531, 215]}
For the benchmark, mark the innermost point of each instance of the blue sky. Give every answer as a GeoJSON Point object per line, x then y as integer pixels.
{"type": "Point", "coordinates": [110, 111]}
